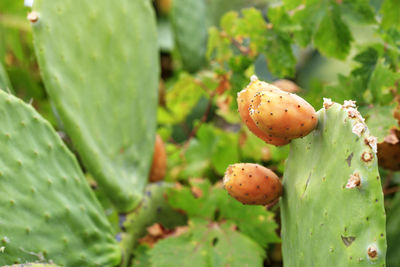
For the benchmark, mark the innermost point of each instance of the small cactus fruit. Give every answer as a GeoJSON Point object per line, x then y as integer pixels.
{"type": "Point", "coordinates": [159, 165]}
{"type": "Point", "coordinates": [244, 102]}
{"type": "Point", "coordinates": [252, 184]}
{"type": "Point", "coordinates": [282, 115]}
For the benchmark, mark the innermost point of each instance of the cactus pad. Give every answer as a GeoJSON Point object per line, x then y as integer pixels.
{"type": "Point", "coordinates": [332, 205]}
{"type": "Point", "coordinates": [189, 22]}
{"type": "Point", "coordinates": [48, 212]}
{"type": "Point", "coordinates": [101, 72]}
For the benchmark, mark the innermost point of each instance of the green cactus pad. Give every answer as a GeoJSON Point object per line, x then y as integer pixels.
{"type": "Point", "coordinates": [4, 80]}
{"type": "Point", "coordinates": [48, 212]}
{"type": "Point", "coordinates": [189, 23]}
{"type": "Point", "coordinates": [153, 208]}
{"type": "Point", "coordinates": [327, 220]}
{"type": "Point", "coordinates": [99, 62]}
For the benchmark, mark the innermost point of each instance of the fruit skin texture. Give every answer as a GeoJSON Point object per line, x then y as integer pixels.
{"type": "Point", "coordinates": [252, 184]}
{"type": "Point", "coordinates": [283, 115]}
{"type": "Point", "coordinates": [244, 101]}
{"type": "Point", "coordinates": [159, 165]}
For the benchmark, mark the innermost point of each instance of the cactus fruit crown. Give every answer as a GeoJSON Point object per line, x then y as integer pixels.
{"type": "Point", "coordinates": [274, 115]}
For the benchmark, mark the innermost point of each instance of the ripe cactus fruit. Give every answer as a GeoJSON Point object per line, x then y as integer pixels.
{"type": "Point", "coordinates": [159, 165]}
{"type": "Point", "coordinates": [244, 101]}
{"type": "Point", "coordinates": [282, 114]}
{"type": "Point", "coordinates": [252, 184]}
{"type": "Point", "coordinates": [332, 209]}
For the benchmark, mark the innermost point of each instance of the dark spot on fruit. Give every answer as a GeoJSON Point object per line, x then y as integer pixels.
{"type": "Point", "coordinates": [266, 177]}
{"type": "Point", "coordinates": [376, 200]}
{"type": "Point", "coordinates": [367, 218]}
{"type": "Point", "coordinates": [270, 128]}
{"type": "Point", "coordinates": [280, 96]}
{"type": "Point", "coordinates": [381, 234]}
{"type": "Point", "coordinates": [268, 101]}
{"type": "Point", "coordinates": [302, 124]}
{"type": "Point", "coordinates": [250, 175]}
{"type": "Point", "coordinates": [240, 184]}
{"type": "Point", "coordinates": [242, 169]}
{"type": "Point", "coordinates": [246, 194]}
{"type": "Point", "coordinates": [258, 187]}
{"type": "Point", "coordinates": [298, 106]}
{"type": "Point", "coordinates": [271, 114]}
{"type": "Point", "coordinates": [285, 109]}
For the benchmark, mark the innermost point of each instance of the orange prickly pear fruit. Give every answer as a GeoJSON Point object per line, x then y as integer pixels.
{"type": "Point", "coordinates": [244, 101]}
{"type": "Point", "coordinates": [159, 165]}
{"type": "Point", "coordinates": [252, 184]}
{"type": "Point", "coordinates": [282, 114]}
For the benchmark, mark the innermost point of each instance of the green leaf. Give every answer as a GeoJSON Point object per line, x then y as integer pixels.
{"type": "Point", "coordinates": [253, 221]}
{"type": "Point", "coordinates": [208, 244]}
{"type": "Point", "coordinates": [141, 256]}
{"type": "Point", "coordinates": [203, 206]}
{"type": "Point", "coordinates": [180, 100]}
{"type": "Point", "coordinates": [225, 152]}
{"type": "Point", "coordinates": [333, 36]}
{"type": "Point", "coordinates": [278, 52]}
{"type": "Point", "coordinates": [368, 59]}
{"type": "Point", "coordinates": [358, 10]}
{"type": "Point", "coordinates": [382, 80]}
{"type": "Point", "coordinates": [380, 119]}
{"type": "Point", "coordinates": [390, 11]}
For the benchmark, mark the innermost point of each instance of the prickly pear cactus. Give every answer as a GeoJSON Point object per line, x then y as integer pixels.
{"type": "Point", "coordinates": [153, 208]}
{"type": "Point", "coordinates": [101, 72]}
{"type": "Point", "coordinates": [332, 206]}
{"type": "Point", "coordinates": [189, 22]}
{"type": "Point", "coordinates": [48, 212]}
{"type": "Point", "coordinates": [4, 81]}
